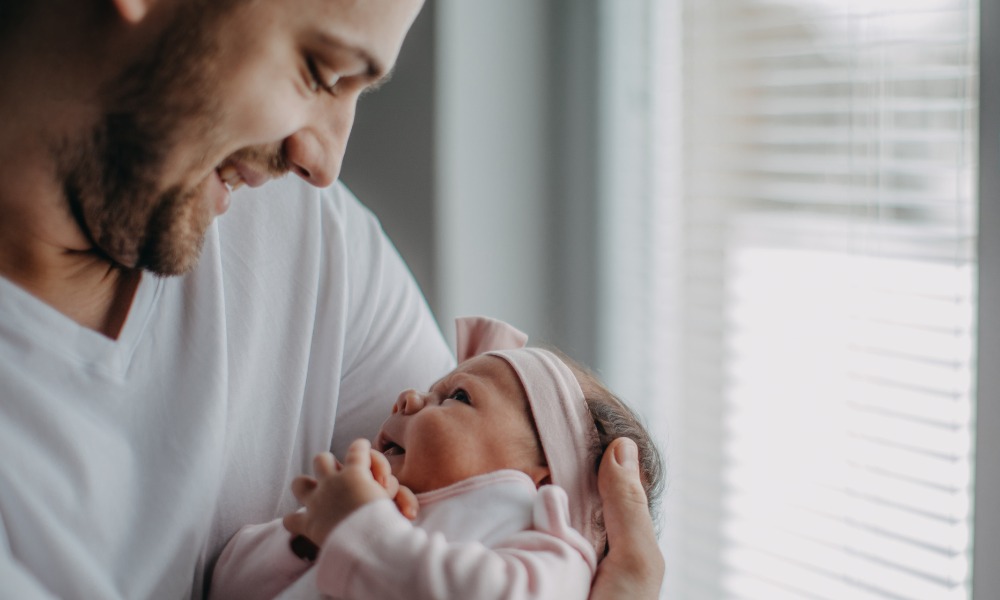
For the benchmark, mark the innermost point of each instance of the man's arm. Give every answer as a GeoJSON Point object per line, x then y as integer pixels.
{"type": "Point", "coordinates": [634, 565]}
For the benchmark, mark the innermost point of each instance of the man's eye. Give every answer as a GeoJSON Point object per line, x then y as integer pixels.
{"type": "Point", "coordinates": [317, 80]}
{"type": "Point", "coordinates": [460, 395]}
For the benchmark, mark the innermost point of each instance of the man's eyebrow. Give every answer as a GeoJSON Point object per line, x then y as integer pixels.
{"type": "Point", "coordinates": [380, 81]}
{"type": "Point", "coordinates": [377, 72]}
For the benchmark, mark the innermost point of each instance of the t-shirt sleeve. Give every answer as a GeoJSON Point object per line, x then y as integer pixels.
{"type": "Point", "coordinates": [376, 553]}
{"type": "Point", "coordinates": [392, 341]}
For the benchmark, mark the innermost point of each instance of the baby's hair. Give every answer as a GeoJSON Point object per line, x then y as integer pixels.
{"type": "Point", "coordinates": [614, 419]}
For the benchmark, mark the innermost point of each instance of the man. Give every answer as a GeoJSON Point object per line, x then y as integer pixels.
{"type": "Point", "coordinates": [165, 375]}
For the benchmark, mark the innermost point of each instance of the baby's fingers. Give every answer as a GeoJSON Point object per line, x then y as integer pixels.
{"type": "Point", "coordinates": [296, 523]}
{"type": "Point", "coordinates": [406, 502]}
{"type": "Point", "coordinates": [381, 470]}
{"type": "Point", "coordinates": [359, 454]}
{"type": "Point", "coordinates": [324, 464]}
{"type": "Point", "coordinates": [390, 485]}
{"type": "Point", "coordinates": [302, 487]}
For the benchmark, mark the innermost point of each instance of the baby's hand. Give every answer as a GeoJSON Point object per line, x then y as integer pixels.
{"type": "Point", "coordinates": [338, 490]}
{"type": "Point", "coordinates": [404, 498]}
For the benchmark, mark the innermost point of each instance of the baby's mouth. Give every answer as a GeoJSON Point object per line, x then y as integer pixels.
{"type": "Point", "coordinates": [385, 445]}
{"type": "Point", "coordinates": [392, 449]}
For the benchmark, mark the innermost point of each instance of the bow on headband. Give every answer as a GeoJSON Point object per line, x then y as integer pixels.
{"type": "Point", "coordinates": [562, 418]}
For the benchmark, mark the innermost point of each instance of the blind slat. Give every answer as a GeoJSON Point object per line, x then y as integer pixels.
{"type": "Point", "coordinates": [826, 161]}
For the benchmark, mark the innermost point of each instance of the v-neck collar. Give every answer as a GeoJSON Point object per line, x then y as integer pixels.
{"type": "Point", "coordinates": [38, 326]}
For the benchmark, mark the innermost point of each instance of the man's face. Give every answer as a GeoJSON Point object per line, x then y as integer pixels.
{"type": "Point", "coordinates": [234, 92]}
{"type": "Point", "coordinates": [473, 421]}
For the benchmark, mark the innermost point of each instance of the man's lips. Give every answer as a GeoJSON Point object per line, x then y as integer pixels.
{"type": "Point", "coordinates": [230, 176]}
{"type": "Point", "coordinates": [236, 173]}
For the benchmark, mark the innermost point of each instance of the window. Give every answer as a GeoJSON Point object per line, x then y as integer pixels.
{"type": "Point", "coordinates": [790, 207]}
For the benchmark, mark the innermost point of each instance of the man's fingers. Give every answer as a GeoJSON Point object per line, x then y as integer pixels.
{"type": "Point", "coordinates": [631, 536]}
{"type": "Point", "coordinates": [625, 506]}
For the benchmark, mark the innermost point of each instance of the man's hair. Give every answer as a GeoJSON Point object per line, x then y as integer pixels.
{"type": "Point", "coordinates": [614, 419]}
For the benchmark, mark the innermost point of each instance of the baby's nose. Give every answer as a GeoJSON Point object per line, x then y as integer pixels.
{"type": "Point", "coordinates": [409, 402]}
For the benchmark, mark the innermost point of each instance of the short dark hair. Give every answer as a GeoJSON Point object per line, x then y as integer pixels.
{"type": "Point", "coordinates": [613, 419]}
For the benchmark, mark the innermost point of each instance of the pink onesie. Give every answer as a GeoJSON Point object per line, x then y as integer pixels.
{"type": "Point", "coordinates": [489, 536]}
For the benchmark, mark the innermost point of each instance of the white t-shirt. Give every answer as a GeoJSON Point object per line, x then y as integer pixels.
{"type": "Point", "coordinates": [125, 465]}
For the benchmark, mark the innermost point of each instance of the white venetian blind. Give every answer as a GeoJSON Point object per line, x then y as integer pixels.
{"type": "Point", "coordinates": [809, 219]}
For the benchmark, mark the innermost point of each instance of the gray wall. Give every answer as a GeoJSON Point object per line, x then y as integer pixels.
{"type": "Point", "coordinates": [480, 158]}
{"type": "Point", "coordinates": [389, 162]}
{"type": "Point", "coordinates": [493, 162]}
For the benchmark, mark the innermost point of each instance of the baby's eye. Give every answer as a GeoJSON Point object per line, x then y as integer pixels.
{"type": "Point", "coordinates": [460, 395]}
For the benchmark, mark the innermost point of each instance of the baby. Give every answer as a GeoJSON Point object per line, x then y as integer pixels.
{"type": "Point", "coordinates": [502, 454]}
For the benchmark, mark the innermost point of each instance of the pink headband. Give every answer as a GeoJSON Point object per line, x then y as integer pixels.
{"type": "Point", "coordinates": [562, 418]}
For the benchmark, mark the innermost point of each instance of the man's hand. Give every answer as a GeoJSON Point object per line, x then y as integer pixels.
{"type": "Point", "coordinates": [634, 565]}
{"type": "Point", "coordinates": [340, 489]}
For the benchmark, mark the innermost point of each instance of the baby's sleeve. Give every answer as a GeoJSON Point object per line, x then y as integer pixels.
{"type": "Point", "coordinates": [376, 553]}
{"type": "Point", "coordinates": [257, 563]}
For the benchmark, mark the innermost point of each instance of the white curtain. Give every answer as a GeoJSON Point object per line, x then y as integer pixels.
{"type": "Point", "coordinates": [788, 226]}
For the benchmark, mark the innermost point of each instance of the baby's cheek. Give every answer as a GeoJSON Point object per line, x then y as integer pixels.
{"type": "Point", "coordinates": [449, 455]}
{"type": "Point", "coordinates": [445, 437]}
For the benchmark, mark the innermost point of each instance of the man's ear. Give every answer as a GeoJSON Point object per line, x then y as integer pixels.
{"type": "Point", "coordinates": [133, 11]}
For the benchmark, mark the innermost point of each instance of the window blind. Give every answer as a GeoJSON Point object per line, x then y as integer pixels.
{"type": "Point", "coordinates": [808, 225]}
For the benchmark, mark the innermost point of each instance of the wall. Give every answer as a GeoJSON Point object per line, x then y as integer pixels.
{"type": "Point", "coordinates": [389, 162]}
{"type": "Point", "coordinates": [453, 155]}
{"type": "Point", "coordinates": [492, 162]}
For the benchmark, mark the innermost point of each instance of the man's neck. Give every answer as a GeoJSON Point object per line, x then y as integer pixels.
{"type": "Point", "coordinates": [52, 71]}
{"type": "Point", "coordinates": [85, 288]}
{"type": "Point", "coordinates": [43, 250]}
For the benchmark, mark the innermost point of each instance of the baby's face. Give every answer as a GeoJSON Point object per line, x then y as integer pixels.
{"type": "Point", "coordinates": [474, 420]}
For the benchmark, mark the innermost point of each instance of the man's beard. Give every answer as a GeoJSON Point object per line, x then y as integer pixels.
{"type": "Point", "coordinates": [111, 177]}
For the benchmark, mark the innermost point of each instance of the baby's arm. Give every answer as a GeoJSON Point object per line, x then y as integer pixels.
{"type": "Point", "coordinates": [340, 489]}
{"type": "Point", "coordinates": [377, 554]}
{"type": "Point", "coordinates": [259, 561]}
{"type": "Point", "coordinates": [256, 564]}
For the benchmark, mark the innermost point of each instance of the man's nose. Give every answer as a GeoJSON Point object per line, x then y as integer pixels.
{"type": "Point", "coordinates": [409, 402]}
{"type": "Point", "coordinates": [315, 152]}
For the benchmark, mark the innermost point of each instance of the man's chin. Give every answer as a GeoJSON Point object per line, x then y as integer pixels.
{"type": "Point", "coordinates": [175, 235]}
{"type": "Point", "coordinates": [173, 256]}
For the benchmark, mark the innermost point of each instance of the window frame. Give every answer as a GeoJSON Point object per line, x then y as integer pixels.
{"type": "Point", "coordinates": [986, 524]}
